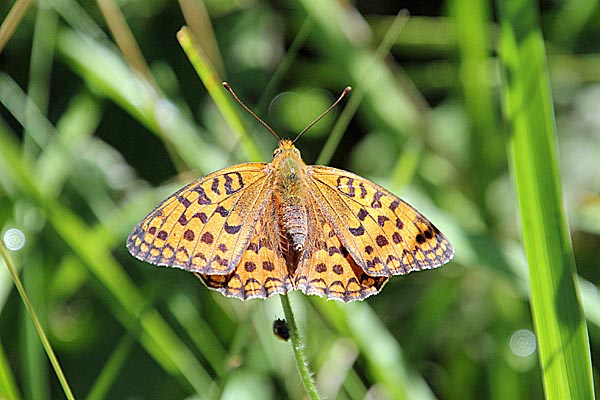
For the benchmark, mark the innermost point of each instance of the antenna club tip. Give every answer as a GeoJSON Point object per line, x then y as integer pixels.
{"type": "Point", "coordinates": [348, 88]}
{"type": "Point", "coordinates": [225, 85]}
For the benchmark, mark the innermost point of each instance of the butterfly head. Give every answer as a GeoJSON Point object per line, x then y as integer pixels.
{"type": "Point", "coordinates": [288, 166]}
{"type": "Point", "coordinates": [286, 149]}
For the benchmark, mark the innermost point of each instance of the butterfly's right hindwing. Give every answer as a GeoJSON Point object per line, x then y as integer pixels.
{"type": "Point", "coordinates": [262, 270]}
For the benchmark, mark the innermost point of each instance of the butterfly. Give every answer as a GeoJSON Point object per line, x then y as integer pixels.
{"type": "Point", "coordinates": [258, 229]}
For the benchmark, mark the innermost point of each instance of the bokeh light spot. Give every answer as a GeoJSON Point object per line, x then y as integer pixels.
{"type": "Point", "coordinates": [14, 239]}
{"type": "Point", "coordinates": [522, 343]}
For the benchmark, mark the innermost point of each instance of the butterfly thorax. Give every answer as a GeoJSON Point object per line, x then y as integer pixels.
{"type": "Point", "coordinates": [289, 193]}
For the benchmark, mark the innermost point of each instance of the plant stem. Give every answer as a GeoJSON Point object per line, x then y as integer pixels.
{"type": "Point", "coordinates": [298, 348]}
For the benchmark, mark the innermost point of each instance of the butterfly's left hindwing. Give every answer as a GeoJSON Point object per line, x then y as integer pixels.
{"type": "Point", "coordinates": [327, 269]}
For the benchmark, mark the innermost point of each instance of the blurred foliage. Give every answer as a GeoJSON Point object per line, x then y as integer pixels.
{"type": "Point", "coordinates": [102, 116]}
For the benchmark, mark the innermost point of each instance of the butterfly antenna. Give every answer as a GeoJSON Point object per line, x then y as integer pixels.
{"type": "Point", "coordinates": [348, 88]}
{"type": "Point", "coordinates": [226, 86]}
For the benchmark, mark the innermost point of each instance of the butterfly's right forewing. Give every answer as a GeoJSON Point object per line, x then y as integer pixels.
{"type": "Point", "coordinates": [384, 234]}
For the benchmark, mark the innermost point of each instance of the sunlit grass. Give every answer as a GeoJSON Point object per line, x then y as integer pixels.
{"type": "Point", "coordinates": [555, 301]}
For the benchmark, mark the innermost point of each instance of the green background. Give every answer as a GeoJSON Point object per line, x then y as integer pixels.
{"type": "Point", "coordinates": [88, 147]}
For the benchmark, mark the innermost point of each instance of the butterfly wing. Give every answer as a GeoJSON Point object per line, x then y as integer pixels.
{"type": "Point", "coordinates": [327, 269]}
{"type": "Point", "coordinates": [205, 227]}
{"type": "Point", "coordinates": [261, 271]}
{"type": "Point", "coordinates": [383, 234]}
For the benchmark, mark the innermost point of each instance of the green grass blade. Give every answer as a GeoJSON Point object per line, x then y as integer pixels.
{"type": "Point", "coordinates": [8, 385]}
{"type": "Point", "coordinates": [198, 19]}
{"type": "Point", "coordinates": [383, 354]}
{"type": "Point", "coordinates": [40, 69]}
{"type": "Point", "coordinates": [124, 38]}
{"type": "Point", "coordinates": [394, 108]}
{"type": "Point", "coordinates": [472, 23]}
{"type": "Point", "coordinates": [364, 83]}
{"type": "Point", "coordinates": [558, 317]}
{"type": "Point", "coordinates": [111, 369]}
{"type": "Point", "coordinates": [36, 371]}
{"type": "Point", "coordinates": [284, 66]}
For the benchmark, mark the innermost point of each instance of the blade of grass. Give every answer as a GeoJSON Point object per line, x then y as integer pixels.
{"type": "Point", "coordinates": [135, 59]}
{"type": "Point", "coordinates": [76, 125]}
{"type": "Point", "coordinates": [36, 322]}
{"type": "Point", "coordinates": [163, 109]}
{"type": "Point", "coordinates": [380, 349]}
{"type": "Point", "coordinates": [36, 370]}
{"type": "Point", "coordinates": [213, 84]}
{"type": "Point", "coordinates": [439, 42]}
{"type": "Point", "coordinates": [40, 70]}
{"type": "Point", "coordinates": [8, 384]}
{"type": "Point", "coordinates": [78, 18]}
{"type": "Point", "coordinates": [560, 326]}
{"type": "Point", "coordinates": [394, 109]}
{"type": "Point", "coordinates": [472, 24]}
{"type": "Point", "coordinates": [12, 20]}
{"type": "Point", "coordinates": [284, 66]}
{"type": "Point", "coordinates": [36, 367]}
{"type": "Point", "coordinates": [124, 39]}
{"type": "Point", "coordinates": [197, 18]}
{"type": "Point", "coordinates": [201, 333]}
{"type": "Point", "coordinates": [111, 369]}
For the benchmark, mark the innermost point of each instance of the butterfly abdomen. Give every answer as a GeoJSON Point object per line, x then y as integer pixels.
{"type": "Point", "coordinates": [293, 221]}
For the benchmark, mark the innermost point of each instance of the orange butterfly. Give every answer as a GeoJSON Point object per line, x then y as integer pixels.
{"type": "Point", "coordinates": [257, 229]}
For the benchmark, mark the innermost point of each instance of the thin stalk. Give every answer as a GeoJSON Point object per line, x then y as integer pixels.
{"type": "Point", "coordinates": [298, 348]}
{"type": "Point", "coordinates": [124, 38]}
{"type": "Point", "coordinates": [37, 324]}
{"type": "Point", "coordinates": [12, 20]}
